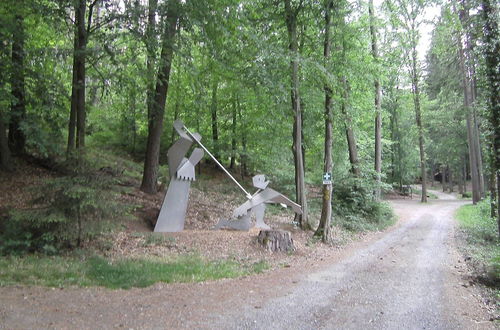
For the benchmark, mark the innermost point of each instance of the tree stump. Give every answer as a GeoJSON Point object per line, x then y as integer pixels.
{"type": "Point", "coordinates": [276, 240]}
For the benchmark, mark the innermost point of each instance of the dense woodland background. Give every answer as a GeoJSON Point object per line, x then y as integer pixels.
{"type": "Point", "coordinates": [289, 88]}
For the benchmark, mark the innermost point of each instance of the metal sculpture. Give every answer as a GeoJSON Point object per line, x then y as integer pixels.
{"type": "Point", "coordinates": [182, 172]}
{"type": "Point", "coordinates": [181, 169]}
{"type": "Point", "coordinates": [257, 205]}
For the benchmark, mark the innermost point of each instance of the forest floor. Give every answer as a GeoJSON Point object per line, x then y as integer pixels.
{"type": "Point", "coordinates": [409, 276]}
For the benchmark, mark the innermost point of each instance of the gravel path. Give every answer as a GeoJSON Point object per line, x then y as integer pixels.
{"type": "Point", "coordinates": [406, 278]}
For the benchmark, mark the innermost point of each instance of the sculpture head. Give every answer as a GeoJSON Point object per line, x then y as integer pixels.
{"type": "Point", "coordinates": [259, 181]}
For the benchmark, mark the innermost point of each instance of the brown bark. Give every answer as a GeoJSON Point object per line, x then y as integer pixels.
{"type": "Point", "coordinates": [155, 121]}
{"type": "Point", "coordinates": [323, 229]}
{"type": "Point", "coordinates": [378, 97]}
{"type": "Point", "coordinates": [16, 137]}
{"type": "Point", "coordinates": [291, 15]}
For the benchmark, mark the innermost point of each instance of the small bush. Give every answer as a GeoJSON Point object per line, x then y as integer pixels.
{"type": "Point", "coordinates": [356, 209]}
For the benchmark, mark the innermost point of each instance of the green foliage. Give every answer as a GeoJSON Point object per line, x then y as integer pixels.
{"type": "Point", "coordinates": [481, 234]}
{"type": "Point", "coordinates": [356, 209]}
{"type": "Point", "coordinates": [67, 211]}
{"type": "Point", "coordinates": [58, 271]}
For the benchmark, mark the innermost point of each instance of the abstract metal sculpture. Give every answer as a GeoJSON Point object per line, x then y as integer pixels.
{"type": "Point", "coordinates": [182, 172]}
{"type": "Point", "coordinates": [181, 169]}
{"type": "Point", "coordinates": [257, 205]}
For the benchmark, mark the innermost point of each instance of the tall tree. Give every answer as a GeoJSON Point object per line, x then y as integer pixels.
{"type": "Point", "coordinates": [407, 15]}
{"type": "Point", "coordinates": [491, 39]}
{"type": "Point", "coordinates": [291, 16]}
{"type": "Point", "coordinates": [378, 97]}
{"type": "Point", "coordinates": [323, 229]}
{"type": "Point", "coordinates": [155, 120]}
{"type": "Point", "coordinates": [464, 62]}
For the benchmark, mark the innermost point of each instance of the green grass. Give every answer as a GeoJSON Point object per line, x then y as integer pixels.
{"type": "Point", "coordinates": [60, 271]}
{"type": "Point", "coordinates": [482, 242]}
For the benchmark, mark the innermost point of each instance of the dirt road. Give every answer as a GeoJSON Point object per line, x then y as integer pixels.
{"type": "Point", "coordinates": [406, 278]}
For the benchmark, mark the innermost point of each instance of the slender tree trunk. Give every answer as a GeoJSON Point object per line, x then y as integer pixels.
{"type": "Point", "coordinates": [418, 118]}
{"type": "Point", "coordinates": [443, 177]}
{"type": "Point", "coordinates": [378, 97]}
{"type": "Point", "coordinates": [232, 164]}
{"type": "Point", "coordinates": [16, 136]}
{"type": "Point", "coordinates": [323, 229]}
{"type": "Point", "coordinates": [215, 124]}
{"type": "Point", "coordinates": [80, 74]}
{"type": "Point", "coordinates": [476, 196]}
{"type": "Point", "coordinates": [5, 156]}
{"type": "Point", "coordinates": [72, 114]}
{"type": "Point", "coordinates": [243, 153]}
{"type": "Point", "coordinates": [450, 180]}
{"type": "Point", "coordinates": [155, 121]}
{"type": "Point", "coordinates": [351, 138]}
{"type": "Point", "coordinates": [491, 39]}
{"type": "Point", "coordinates": [151, 46]}
{"type": "Point", "coordinates": [291, 23]}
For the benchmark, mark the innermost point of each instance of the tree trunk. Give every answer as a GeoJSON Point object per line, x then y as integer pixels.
{"type": "Point", "coordinates": [16, 137]}
{"type": "Point", "coordinates": [476, 196]}
{"type": "Point", "coordinates": [232, 164]}
{"type": "Point", "coordinates": [477, 148]}
{"type": "Point", "coordinates": [378, 97]}
{"type": "Point", "coordinates": [80, 74]}
{"type": "Point", "coordinates": [323, 229]}
{"type": "Point", "coordinates": [443, 176]}
{"type": "Point", "coordinates": [155, 121]}
{"type": "Point", "coordinates": [418, 118]}
{"type": "Point", "coordinates": [491, 39]}
{"type": "Point", "coordinates": [351, 138]}
{"type": "Point", "coordinates": [291, 23]}
{"type": "Point", "coordinates": [450, 180]}
{"type": "Point", "coordinates": [151, 46]}
{"type": "Point", "coordinates": [215, 124]}
{"type": "Point", "coordinates": [243, 154]}
{"type": "Point", "coordinates": [5, 157]}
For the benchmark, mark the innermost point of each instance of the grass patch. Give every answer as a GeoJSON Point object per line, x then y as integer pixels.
{"type": "Point", "coordinates": [482, 242]}
{"type": "Point", "coordinates": [58, 271]}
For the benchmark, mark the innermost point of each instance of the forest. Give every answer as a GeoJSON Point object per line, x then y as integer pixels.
{"type": "Point", "coordinates": [292, 89]}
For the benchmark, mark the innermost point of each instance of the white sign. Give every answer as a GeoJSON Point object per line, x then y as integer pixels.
{"type": "Point", "coordinates": [327, 178]}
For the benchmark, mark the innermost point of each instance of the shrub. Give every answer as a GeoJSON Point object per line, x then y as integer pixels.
{"type": "Point", "coordinates": [356, 208]}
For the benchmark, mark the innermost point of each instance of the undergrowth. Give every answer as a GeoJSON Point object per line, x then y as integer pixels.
{"type": "Point", "coordinates": [64, 271]}
{"type": "Point", "coordinates": [482, 243]}
{"type": "Point", "coordinates": [356, 209]}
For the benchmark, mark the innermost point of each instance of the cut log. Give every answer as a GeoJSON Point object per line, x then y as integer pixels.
{"type": "Point", "coordinates": [276, 240]}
